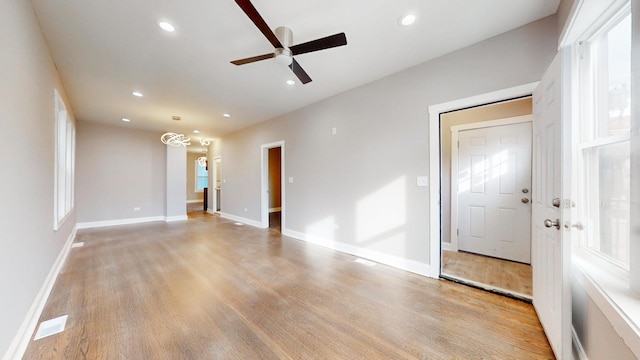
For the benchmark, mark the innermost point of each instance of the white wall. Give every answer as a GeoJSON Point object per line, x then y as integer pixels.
{"type": "Point", "coordinates": [28, 244]}
{"type": "Point", "coordinates": [117, 170]}
{"type": "Point", "coordinates": [176, 178]}
{"type": "Point", "coordinates": [358, 187]}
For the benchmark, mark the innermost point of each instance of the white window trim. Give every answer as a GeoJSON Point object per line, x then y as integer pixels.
{"type": "Point", "coordinates": [63, 196]}
{"type": "Point", "coordinates": [606, 284]}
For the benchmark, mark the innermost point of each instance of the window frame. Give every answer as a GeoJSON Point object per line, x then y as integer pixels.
{"type": "Point", "coordinates": [589, 138]}
{"type": "Point", "coordinates": [64, 166]}
{"type": "Point", "coordinates": [612, 289]}
{"type": "Point", "coordinates": [197, 177]}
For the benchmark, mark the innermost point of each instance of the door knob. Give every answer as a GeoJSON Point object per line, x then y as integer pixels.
{"type": "Point", "coordinates": [525, 200]}
{"type": "Point", "coordinates": [550, 223]}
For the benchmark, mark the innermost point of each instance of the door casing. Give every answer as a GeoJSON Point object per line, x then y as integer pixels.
{"type": "Point", "coordinates": [455, 166]}
{"type": "Point", "coordinates": [435, 241]}
{"type": "Point", "coordinates": [264, 183]}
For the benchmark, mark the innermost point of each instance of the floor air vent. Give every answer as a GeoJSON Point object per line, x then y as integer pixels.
{"type": "Point", "coordinates": [50, 327]}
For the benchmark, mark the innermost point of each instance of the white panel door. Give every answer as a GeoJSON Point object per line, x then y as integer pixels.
{"type": "Point", "coordinates": [550, 256]}
{"type": "Point", "coordinates": [494, 183]}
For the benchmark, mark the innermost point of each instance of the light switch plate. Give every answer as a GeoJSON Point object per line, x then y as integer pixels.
{"type": "Point", "coordinates": [290, 179]}
{"type": "Point", "coordinates": [422, 181]}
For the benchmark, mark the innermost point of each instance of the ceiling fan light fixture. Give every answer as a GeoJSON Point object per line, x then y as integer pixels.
{"type": "Point", "coordinates": [283, 56]}
{"type": "Point", "coordinates": [408, 20]}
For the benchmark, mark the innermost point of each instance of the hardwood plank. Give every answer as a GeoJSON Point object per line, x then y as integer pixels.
{"type": "Point", "coordinates": [500, 273]}
{"type": "Point", "coordinates": [208, 289]}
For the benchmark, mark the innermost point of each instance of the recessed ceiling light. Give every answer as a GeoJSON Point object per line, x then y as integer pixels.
{"type": "Point", "coordinates": [125, 120]}
{"type": "Point", "coordinates": [226, 115]}
{"type": "Point", "coordinates": [290, 82]}
{"type": "Point", "coordinates": [166, 26]}
{"type": "Point", "coordinates": [408, 20]}
{"type": "Point", "coordinates": [196, 131]}
{"type": "Point", "coordinates": [137, 93]}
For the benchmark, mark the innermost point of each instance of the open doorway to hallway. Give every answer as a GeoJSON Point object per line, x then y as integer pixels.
{"type": "Point", "coordinates": [486, 186]}
{"type": "Point", "coordinates": [273, 186]}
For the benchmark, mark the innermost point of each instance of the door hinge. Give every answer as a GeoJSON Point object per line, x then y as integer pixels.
{"type": "Point", "coordinates": [458, 232]}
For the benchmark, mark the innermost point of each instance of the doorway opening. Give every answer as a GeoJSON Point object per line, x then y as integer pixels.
{"type": "Point", "coordinates": [272, 206]}
{"type": "Point", "coordinates": [275, 189]}
{"type": "Point", "coordinates": [485, 267]}
{"type": "Point", "coordinates": [214, 207]}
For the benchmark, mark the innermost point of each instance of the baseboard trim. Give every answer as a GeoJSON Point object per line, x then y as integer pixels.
{"type": "Point", "coordinates": [241, 219]}
{"type": "Point", "coordinates": [176, 218]}
{"type": "Point", "coordinates": [195, 201]}
{"type": "Point", "coordinates": [276, 209]}
{"type": "Point", "coordinates": [21, 341]}
{"type": "Point", "coordinates": [577, 345]}
{"type": "Point", "coordinates": [448, 247]}
{"type": "Point", "coordinates": [373, 255]}
{"type": "Point", "coordinates": [211, 211]}
{"type": "Point", "coordinates": [97, 224]}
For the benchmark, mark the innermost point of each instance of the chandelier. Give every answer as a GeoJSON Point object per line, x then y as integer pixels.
{"type": "Point", "coordinates": [174, 139]}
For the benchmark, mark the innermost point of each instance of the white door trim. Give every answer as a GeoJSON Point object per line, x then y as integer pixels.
{"type": "Point", "coordinates": [434, 158]}
{"type": "Point", "coordinates": [264, 183]}
{"type": "Point", "coordinates": [212, 208]}
{"type": "Point", "coordinates": [454, 163]}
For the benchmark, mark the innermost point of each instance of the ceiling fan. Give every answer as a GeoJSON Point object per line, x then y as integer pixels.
{"type": "Point", "coordinates": [281, 41]}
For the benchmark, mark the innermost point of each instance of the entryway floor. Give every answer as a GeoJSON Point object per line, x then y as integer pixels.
{"type": "Point", "coordinates": [504, 274]}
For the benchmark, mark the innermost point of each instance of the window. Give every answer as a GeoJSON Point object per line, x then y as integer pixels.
{"type": "Point", "coordinates": [202, 177]}
{"type": "Point", "coordinates": [64, 162]}
{"type": "Point", "coordinates": [604, 146]}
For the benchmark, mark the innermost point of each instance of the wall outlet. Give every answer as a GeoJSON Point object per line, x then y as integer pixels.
{"type": "Point", "coordinates": [290, 179]}
{"type": "Point", "coordinates": [334, 131]}
{"type": "Point", "coordinates": [136, 209]}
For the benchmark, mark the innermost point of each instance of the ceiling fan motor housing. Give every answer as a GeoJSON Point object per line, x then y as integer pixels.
{"type": "Point", "coordinates": [284, 55]}
{"type": "Point", "coordinates": [285, 35]}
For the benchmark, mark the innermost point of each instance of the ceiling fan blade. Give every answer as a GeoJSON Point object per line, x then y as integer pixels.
{"type": "Point", "coordinates": [320, 44]}
{"type": "Point", "coordinates": [299, 71]}
{"type": "Point", "coordinates": [253, 14]}
{"type": "Point", "coordinates": [253, 59]}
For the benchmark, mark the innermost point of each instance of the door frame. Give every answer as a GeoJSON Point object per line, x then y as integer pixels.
{"type": "Point", "coordinates": [455, 130]}
{"type": "Point", "coordinates": [264, 183]}
{"type": "Point", "coordinates": [435, 239]}
{"type": "Point", "coordinates": [214, 194]}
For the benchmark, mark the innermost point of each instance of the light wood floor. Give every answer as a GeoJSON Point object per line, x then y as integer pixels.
{"type": "Point", "coordinates": [208, 289]}
{"type": "Point", "coordinates": [502, 274]}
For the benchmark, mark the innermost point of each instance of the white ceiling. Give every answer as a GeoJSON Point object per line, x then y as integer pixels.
{"type": "Point", "coordinates": [104, 50]}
